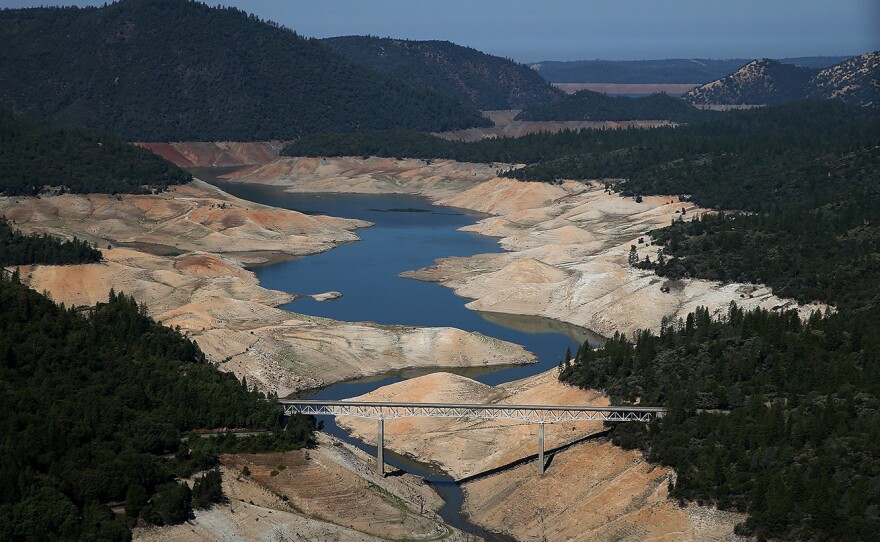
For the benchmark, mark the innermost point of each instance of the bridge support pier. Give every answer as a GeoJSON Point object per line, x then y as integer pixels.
{"type": "Point", "coordinates": [541, 448]}
{"type": "Point", "coordinates": [380, 449]}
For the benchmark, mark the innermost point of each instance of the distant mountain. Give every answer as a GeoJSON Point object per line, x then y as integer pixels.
{"type": "Point", "coordinates": [668, 71]}
{"type": "Point", "coordinates": [159, 70]}
{"type": "Point", "coordinates": [589, 105]}
{"type": "Point", "coordinates": [759, 82]}
{"type": "Point", "coordinates": [484, 81]}
{"type": "Point", "coordinates": [854, 81]}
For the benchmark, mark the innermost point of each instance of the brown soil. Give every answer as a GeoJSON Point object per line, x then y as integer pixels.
{"type": "Point", "coordinates": [186, 218]}
{"type": "Point", "coordinates": [593, 491]}
{"type": "Point", "coordinates": [334, 484]}
{"type": "Point", "coordinates": [214, 300]}
{"type": "Point", "coordinates": [218, 154]}
{"type": "Point", "coordinates": [585, 234]}
{"type": "Point", "coordinates": [332, 494]}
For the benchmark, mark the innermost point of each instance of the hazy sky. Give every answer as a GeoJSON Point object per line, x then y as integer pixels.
{"type": "Point", "coordinates": [534, 30]}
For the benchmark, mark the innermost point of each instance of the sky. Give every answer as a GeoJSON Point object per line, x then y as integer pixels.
{"type": "Point", "coordinates": [534, 30]}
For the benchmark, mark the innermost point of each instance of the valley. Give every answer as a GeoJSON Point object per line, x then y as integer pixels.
{"type": "Point", "coordinates": [219, 223]}
{"type": "Point", "coordinates": [553, 237]}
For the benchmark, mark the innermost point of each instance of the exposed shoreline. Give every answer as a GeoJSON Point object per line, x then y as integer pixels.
{"type": "Point", "coordinates": [203, 286]}
{"type": "Point", "coordinates": [566, 246]}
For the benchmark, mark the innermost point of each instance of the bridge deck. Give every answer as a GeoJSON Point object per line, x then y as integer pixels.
{"type": "Point", "coordinates": [528, 413]}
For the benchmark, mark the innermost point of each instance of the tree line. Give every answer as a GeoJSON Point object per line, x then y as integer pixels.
{"type": "Point", "coordinates": [17, 248]}
{"type": "Point", "coordinates": [35, 158]}
{"type": "Point", "coordinates": [747, 160]}
{"type": "Point", "coordinates": [595, 106]}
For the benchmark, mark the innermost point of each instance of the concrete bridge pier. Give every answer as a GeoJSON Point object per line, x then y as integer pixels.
{"type": "Point", "coordinates": [541, 448]}
{"type": "Point", "coordinates": [380, 449]}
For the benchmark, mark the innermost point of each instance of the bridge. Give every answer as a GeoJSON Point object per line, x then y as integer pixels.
{"type": "Point", "coordinates": [537, 414]}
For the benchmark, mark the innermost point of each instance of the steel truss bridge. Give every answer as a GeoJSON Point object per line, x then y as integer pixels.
{"type": "Point", "coordinates": [537, 414]}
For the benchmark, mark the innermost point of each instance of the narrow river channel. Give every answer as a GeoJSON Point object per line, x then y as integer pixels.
{"type": "Point", "coordinates": [408, 233]}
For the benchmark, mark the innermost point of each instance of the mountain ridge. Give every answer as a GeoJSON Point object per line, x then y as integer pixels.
{"type": "Point", "coordinates": [151, 70]}
{"type": "Point", "coordinates": [764, 82]}
{"type": "Point", "coordinates": [485, 81]}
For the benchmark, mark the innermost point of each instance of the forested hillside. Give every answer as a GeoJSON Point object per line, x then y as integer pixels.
{"type": "Point", "coordinates": [799, 449]}
{"type": "Point", "coordinates": [92, 410]}
{"type": "Point", "coordinates": [172, 70]}
{"type": "Point", "coordinates": [484, 81]}
{"type": "Point", "coordinates": [33, 157]}
{"type": "Point", "coordinates": [17, 248]}
{"type": "Point", "coordinates": [589, 105]}
{"type": "Point", "coordinates": [797, 444]}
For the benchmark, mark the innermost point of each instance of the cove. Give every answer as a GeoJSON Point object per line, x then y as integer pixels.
{"type": "Point", "coordinates": [408, 233]}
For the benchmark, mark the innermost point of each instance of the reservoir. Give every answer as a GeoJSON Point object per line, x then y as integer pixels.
{"type": "Point", "coordinates": [408, 233]}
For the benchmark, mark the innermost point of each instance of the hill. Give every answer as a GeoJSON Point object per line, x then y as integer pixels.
{"type": "Point", "coordinates": [669, 71]}
{"type": "Point", "coordinates": [759, 82]}
{"type": "Point", "coordinates": [34, 157]}
{"type": "Point", "coordinates": [855, 81]}
{"type": "Point", "coordinates": [171, 70]}
{"type": "Point", "coordinates": [589, 105]}
{"type": "Point", "coordinates": [487, 82]}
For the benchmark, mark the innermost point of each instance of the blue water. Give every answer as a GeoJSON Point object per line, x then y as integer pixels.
{"type": "Point", "coordinates": [408, 233]}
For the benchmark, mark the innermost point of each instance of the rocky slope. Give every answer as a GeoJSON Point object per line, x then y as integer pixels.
{"type": "Point", "coordinates": [855, 81]}
{"type": "Point", "coordinates": [329, 492]}
{"type": "Point", "coordinates": [356, 175]}
{"type": "Point", "coordinates": [482, 80]}
{"type": "Point", "coordinates": [567, 259]}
